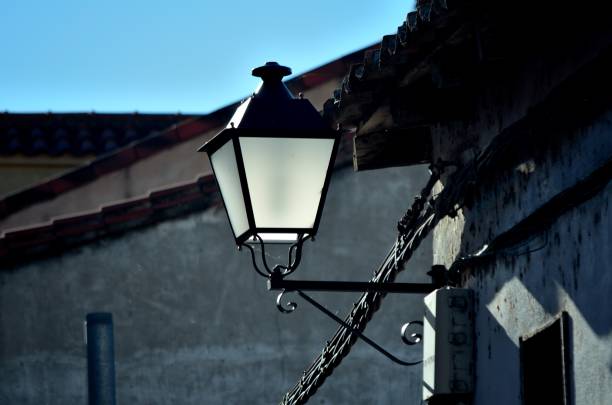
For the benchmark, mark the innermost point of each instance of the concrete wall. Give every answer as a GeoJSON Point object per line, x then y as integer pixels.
{"type": "Point", "coordinates": [195, 325]}
{"type": "Point", "coordinates": [570, 269]}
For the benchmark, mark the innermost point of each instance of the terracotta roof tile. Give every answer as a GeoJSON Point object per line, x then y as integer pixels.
{"type": "Point", "coordinates": [176, 195]}
{"type": "Point", "coordinates": [415, 37]}
{"type": "Point", "coordinates": [127, 212]}
{"type": "Point", "coordinates": [29, 237]}
{"type": "Point", "coordinates": [76, 134]}
{"type": "Point", "coordinates": [78, 224]}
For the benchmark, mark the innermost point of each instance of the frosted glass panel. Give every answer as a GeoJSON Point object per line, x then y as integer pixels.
{"type": "Point", "coordinates": [285, 178]}
{"type": "Point", "coordinates": [226, 171]}
{"type": "Point", "coordinates": [275, 238]}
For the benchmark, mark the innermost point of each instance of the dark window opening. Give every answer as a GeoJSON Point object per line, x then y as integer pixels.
{"type": "Point", "coordinates": [545, 364]}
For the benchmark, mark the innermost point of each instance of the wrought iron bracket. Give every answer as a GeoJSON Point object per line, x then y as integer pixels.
{"type": "Point", "coordinates": [276, 281]}
{"type": "Point", "coordinates": [416, 337]}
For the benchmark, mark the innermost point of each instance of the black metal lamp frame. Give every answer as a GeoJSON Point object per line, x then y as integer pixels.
{"type": "Point", "coordinates": [277, 282]}
{"type": "Point", "coordinates": [273, 112]}
{"type": "Point", "coordinates": [233, 135]}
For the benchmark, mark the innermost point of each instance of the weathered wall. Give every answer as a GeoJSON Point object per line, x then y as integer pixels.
{"type": "Point", "coordinates": [519, 295]}
{"type": "Point", "coordinates": [569, 270]}
{"type": "Point", "coordinates": [195, 325]}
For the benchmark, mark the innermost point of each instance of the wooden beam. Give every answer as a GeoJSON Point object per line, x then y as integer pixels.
{"type": "Point", "coordinates": [392, 147]}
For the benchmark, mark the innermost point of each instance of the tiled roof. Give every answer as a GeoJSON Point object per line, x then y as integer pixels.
{"type": "Point", "coordinates": [77, 134]}
{"type": "Point", "coordinates": [419, 34]}
{"type": "Point", "coordinates": [119, 159]}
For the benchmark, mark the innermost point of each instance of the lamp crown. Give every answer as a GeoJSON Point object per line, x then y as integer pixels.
{"type": "Point", "coordinates": [271, 71]}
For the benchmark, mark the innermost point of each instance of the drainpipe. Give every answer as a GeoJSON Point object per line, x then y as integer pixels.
{"type": "Point", "coordinates": [100, 358]}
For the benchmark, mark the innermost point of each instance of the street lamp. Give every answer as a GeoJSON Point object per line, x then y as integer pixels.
{"type": "Point", "coordinates": [273, 162]}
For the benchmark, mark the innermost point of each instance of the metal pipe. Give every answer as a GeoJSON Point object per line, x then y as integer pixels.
{"type": "Point", "coordinates": [100, 359]}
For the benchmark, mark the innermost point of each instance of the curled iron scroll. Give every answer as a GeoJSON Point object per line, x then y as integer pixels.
{"type": "Point", "coordinates": [290, 307]}
{"type": "Point", "coordinates": [414, 338]}
{"type": "Point", "coordinates": [295, 255]}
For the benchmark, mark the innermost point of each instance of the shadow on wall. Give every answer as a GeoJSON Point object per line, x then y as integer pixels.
{"type": "Point", "coordinates": [565, 262]}
{"type": "Point", "coordinates": [568, 248]}
{"type": "Point", "coordinates": [561, 266]}
{"type": "Point", "coordinates": [516, 295]}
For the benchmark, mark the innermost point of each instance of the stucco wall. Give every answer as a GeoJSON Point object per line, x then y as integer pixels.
{"type": "Point", "coordinates": [519, 295]}
{"type": "Point", "coordinates": [195, 325]}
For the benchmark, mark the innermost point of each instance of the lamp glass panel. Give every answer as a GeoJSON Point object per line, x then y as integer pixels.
{"type": "Point", "coordinates": [285, 178]}
{"type": "Point", "coordinates": [226, 171]}
{"type": "Point", "coordinates": [275, 238]}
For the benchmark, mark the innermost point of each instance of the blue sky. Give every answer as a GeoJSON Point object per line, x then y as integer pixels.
{"type": "Point", "coordinates": [167, 56]}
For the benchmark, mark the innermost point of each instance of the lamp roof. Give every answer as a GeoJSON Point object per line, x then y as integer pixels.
{"type": "Point", "coordinates": [273, 107]}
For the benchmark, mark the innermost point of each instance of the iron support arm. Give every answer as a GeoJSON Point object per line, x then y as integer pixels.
{"type": "Point", "coordinates": [359, 334]}
{"type": "Point", "coordinates": [278, 283]}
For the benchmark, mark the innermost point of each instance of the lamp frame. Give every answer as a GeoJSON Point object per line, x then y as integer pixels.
{"type": "Point", "coordinates": [273, 112]}
{"type": "Point", "coordinates": [233, 135]}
